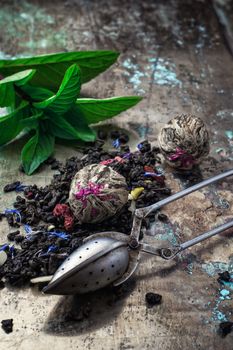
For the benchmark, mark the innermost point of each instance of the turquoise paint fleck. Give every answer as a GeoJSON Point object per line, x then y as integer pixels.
{"type": "Point", "coordinates": [164, 232]}
{"type": "Point", "coordinates": [164, 72]}
{"type": "Point", "coordinates": [228, 284]}
{"type": "Point", "coordinates": [213, 268]}
{"type": "Point", "coordinates": [219, 316]}
{"type": "Point", "coordinates": [135, 74]}
{"type": "Point", "coordinates": [168, 235]}
{"type": "Point", "coordinates": [224, 292]}
{"type": "Point", "coordinates": [229, 134]}
{"type": "Point", "coordinates": [144, 130]}
{"type": "Point", "coordinates": [224, 295]}
{"type": "Point", "coordinates": [159, 71]}
{"type": "Point", "coordinates": [189, 268]}
{"type": "Point", "coordinates": [224, 114]}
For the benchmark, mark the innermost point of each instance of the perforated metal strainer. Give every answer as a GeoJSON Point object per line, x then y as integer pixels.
{"type": "Point", "coordinates": [112, 257]}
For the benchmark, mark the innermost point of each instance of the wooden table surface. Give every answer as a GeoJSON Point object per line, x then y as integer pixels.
{"type": "Point", "coordinates": [175, 54]}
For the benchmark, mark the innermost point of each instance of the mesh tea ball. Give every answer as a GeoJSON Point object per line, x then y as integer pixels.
{"type": "Point", "coordinates": [184, 141]}
{"type": "Point", "coordinates": [97, 192]}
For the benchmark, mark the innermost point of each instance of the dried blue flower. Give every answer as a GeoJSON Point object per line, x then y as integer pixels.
{"type": "Point", "coordinates": [62, 235]}
{"type": "Point", "coordinates": [20, 188]}
{"type": "Point", "coordinates": [4, 246]}
{"type": "Point", "coordinates": [14, 211]}
{"type": "Point", "coordinates": [152, 174]}
{"type": "Point", "coordinates": [116, 143]}
{"type": "Point", "coordinates": [52, 248]}
{"type": "Point", "coordinates": [127, 155]}
{"type": "Point", "coordinates": [12, 251]}
{"type": "Point", "coordinates": [27, 229]}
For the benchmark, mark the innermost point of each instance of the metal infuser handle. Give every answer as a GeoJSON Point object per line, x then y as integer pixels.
{"type": "Point", "coordinates": [143, 212]}
{"type": "Point", "coordinates": [170, 253]}
{"type": "Point", "coordinates": [206, 235]}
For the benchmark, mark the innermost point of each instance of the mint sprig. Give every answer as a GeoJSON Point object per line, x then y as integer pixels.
{"type": "Point", "coordinates": [51, 110]}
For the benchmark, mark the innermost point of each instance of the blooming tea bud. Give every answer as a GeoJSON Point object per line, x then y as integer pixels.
{"type": "Point", "coordinates": [97, 192]}
{"type": "Point", "coordinates": [184, 141]}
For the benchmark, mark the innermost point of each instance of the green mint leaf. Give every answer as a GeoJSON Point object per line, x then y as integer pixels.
{"type": "Point", "coordinates": [37, 150]}
{"type": "Point", "coordinates": [61, 128]}
{"type": "Point", "coordinates": [94, 110]}
{"type": "Point", "coordinates": [74, 117]}
{"type": "Point", "coordinates": [7, 95]}
{"type": "Point", "coordinates": [66, 95]}
{"type": "Point", "coordinates": [7, 92]}
{"type": "Point", "coordinates": [31, 122]}
{"type": "Point", "coordinates": [36, 93]}
{"type": "Point", "coordinates": [51, 68]}
{"type": "Point", "coordinates": [10, 125]}
{"type": "Point", "coordinates": [19, 78]}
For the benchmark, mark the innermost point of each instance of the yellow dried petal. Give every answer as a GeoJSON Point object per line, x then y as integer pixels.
{"type": "Point", "coordinates": [135, 193]}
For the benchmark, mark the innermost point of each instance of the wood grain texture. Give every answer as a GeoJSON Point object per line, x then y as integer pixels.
{"type": "Point", "coordinates": [173, 54]}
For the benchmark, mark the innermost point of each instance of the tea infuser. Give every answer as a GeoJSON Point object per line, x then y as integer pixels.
{"type": "Point", "coordinates": [112, 257]}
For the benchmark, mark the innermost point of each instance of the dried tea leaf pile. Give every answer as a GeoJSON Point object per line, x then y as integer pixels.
{"type": "Point", "coordinates": [45, 239]}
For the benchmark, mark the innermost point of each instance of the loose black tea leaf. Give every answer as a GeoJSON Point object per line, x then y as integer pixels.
{"type": "Point", "coordinates": [153, 299]}
{"type": "Point", "coordinates": [7, 325]}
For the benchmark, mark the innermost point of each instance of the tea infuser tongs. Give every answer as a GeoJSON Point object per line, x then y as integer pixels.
{"type": "Point", "coordinates": [112, 257]}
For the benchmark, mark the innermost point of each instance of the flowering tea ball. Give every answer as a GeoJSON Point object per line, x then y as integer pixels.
{"type": "Point", "coordinates": [97, 192]}
{"type": "Point", "coordinates": [184, 141]}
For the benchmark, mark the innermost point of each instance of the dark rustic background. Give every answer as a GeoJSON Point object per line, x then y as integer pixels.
{"type": "Point", "coordinates": [178, 55]}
